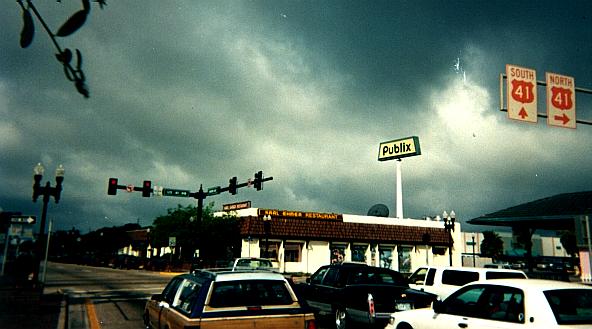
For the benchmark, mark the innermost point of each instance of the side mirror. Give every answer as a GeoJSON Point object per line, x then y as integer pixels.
{"type": "Point", "coordinates": [156, 297]}
{"type": "Point", "coordinates": [307, 280]}
{"type": "Point", "coordinates": [438, 306]}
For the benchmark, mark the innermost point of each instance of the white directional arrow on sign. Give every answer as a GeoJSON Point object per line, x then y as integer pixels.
{"type": "Point", "coordinates": [561, 101]}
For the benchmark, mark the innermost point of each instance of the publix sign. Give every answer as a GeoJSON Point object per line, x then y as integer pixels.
{"type": "Point", "coordinates": [400, 148]}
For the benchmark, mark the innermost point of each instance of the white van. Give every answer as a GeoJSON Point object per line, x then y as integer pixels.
{"type": "Point", "coordinates": [442, 281]}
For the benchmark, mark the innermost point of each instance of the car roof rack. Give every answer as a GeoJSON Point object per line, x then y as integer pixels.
{"type": "Point", "coordinates": [212, 272]}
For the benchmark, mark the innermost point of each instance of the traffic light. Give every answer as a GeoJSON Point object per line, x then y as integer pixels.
{"type": "Point", "coordinates": [147, 189]}
{"type": "Point", "coordinates": [259, 180]}
{"type": "Point", "coordinates": [232, 186]}
{"type": "Point", "coordinates": [112, 190]}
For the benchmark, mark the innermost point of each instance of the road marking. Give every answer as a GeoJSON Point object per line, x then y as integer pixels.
{"type": "Point", "coordinates": [92, 315]}
{"type": "Point", "coordinates": [171, 273]}
{"type": "Point", "coordinates": [80, 292]}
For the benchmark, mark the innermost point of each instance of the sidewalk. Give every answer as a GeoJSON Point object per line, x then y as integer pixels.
{"type": "Point", "coordinates": [28, 308]}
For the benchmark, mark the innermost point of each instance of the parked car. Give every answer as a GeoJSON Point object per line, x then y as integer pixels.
{"type": "Point", "coordinates": [510, 303]}
{"type": "Point", "coordinates": [252, 263]}
{"type": "Point", "coordinates": [209, 299]}
{"type": "Point", "coordinates": [242, 263]}
{"type": "Point", "coordinates": [360, 294]}
{"type": "Point", "coordinates": [442, 281]}
{"type": "Point", "coordinates": [127, 262]}
{"type": "Point", "coordinates": [498, 265]}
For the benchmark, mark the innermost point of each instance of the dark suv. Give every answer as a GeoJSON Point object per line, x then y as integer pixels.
{"type": "Point", "coordinates": [354, 292]}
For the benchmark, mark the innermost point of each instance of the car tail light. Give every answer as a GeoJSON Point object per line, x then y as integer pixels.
{"type": "Point", "coordinates": [253, 308]}
{"type": "Point", "coordinates": [310, 324]}
{"type": "Point", "coordinates": [371, 310]}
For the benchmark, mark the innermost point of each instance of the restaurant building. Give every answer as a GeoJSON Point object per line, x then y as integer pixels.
{"type": "Point", "coordinates": [301, 242]}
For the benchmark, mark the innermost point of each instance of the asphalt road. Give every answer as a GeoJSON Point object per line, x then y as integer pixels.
{"type": "Point", "coordinates": [103, 297]}
{"type": "Point", "coordinates": [106, 298]}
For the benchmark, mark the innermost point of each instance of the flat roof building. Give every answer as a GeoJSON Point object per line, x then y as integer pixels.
{"type": "Point", "coordinates": [301, 242]}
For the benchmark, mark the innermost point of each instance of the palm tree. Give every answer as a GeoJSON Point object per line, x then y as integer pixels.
{"type": "Point", "coordinates": [492, 245]}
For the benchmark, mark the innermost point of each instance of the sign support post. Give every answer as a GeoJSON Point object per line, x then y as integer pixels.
{"type": "Point", "coordinates": [397, 149]}
{"type": "Point", "coordinates": [399, 196]}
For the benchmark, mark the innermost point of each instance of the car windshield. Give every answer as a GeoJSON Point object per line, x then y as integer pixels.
{"type": "Point", "coordinates": [255, 263]}
{"type": "Point", "coordinates": [571, 306]}
{"type": "Point", "coordinates": [377, 277]}
{"type": "Point", "coordinates": [250, 293]}
{"type": "Point", "coordinates": [504, 275]}
{"type": "Point", "coordinates": [419, 276]}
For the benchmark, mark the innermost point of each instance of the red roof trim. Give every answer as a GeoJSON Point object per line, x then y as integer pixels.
{"type": "Point", "coordinates": [308, 229]}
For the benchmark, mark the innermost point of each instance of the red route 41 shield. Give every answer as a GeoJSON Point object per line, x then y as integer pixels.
{"type": "Point", "coordinates": [521, 93]}
{"type": "Point", "coordinates": [561, 101]}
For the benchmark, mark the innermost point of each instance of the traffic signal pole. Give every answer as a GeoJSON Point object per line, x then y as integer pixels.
{"type": "Point", "coordinates": [200, 195]}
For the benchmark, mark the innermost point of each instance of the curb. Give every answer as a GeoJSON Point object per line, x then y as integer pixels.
{"type": "Point", "coordinates": [171, 273]}
{"type": "Point", "coordinates": [63, 317]}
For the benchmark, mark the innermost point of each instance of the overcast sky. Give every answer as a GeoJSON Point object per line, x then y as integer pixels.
{"type": "Point", "coordinates": [185, 93]}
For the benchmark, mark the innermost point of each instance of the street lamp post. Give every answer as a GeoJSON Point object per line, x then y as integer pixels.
{"type": "Point", "coordinates": [473, 241]}
{"type": "Point", "coordinates": [449, 228]}
{"type": "Point", "coordinates": [47, 192]}
{"type": "Point", "coordinates": [267, 228]}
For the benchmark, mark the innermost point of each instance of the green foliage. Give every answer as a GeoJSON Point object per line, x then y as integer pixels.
{"type": "Point", "coordinates": [221, 238]}
{"type": "Point", "coordinates": [492, 245]}
{"type": "Point", "coordinates": [216, 238]}
{"type": "Point", "coordinates": [180, 223]}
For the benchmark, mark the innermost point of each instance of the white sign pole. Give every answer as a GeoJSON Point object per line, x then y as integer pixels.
{"type": "Point", "coordinates": [6, 249]}
{"type": "Point", "coordinates": [46, 251]}
{"type": "Point", "coordinates": [399, 196]}
{"type": "Point", "coordinates": [588, 277]}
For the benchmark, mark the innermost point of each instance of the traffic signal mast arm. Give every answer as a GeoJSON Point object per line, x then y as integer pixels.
{"type": "Point", "coordinates": [217, 189]}
{"type": "Point", "coordinates": [147, 188]}
{"type": "Point", "coordinates": [200, 195]}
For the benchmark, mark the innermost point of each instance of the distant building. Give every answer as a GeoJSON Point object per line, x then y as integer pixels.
{"type": "Point", "coordinates": [139, 244]}
{"type": "Point", "coordinates": [542, 246]}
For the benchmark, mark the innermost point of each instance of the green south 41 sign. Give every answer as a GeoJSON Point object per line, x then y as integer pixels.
{"type": "Point", "coordinates": [399, 148]}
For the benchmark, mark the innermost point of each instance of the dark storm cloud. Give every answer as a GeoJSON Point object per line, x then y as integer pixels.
{"type": "Point", "coordinates": [195, 92]}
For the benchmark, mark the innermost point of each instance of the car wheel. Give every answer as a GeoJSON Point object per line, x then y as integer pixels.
{"type": "Point", "coordinates": [404, 326]}
{"type": "Point", "coordinates": [341, 319]}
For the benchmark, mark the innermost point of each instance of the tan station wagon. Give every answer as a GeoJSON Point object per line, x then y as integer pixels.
{"type": "Point", "coordinates": [227, 299]}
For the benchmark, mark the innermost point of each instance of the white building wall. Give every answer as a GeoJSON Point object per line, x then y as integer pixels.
{"type": "Point", "coordinates": [250, 248]}
{"type": "Point", "coordinates": [319, 254]}
{"type": "Point", "coordinates": [551, 246]}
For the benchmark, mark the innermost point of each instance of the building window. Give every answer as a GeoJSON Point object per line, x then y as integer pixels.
{"type": "Point", "coordinates": [292, 252]}
{"type": "Point", "coordinates": [386, 257]}
{"type": "Point", "coordinates": [404, 259]}
{"type": "Point", "coordinates": [441, 251]}
{"type": "Point", "coordinates": [274, 247]}
{"type": "Point", "coordinates": [359, 253]}
{"type": "Point", "coordinates": [337, 253]}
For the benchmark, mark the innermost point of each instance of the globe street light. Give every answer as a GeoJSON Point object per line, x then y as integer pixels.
{"type": "Point", "coordinates": [449, 228]}
{"type": "Point", "coordinates": [47, 192]}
